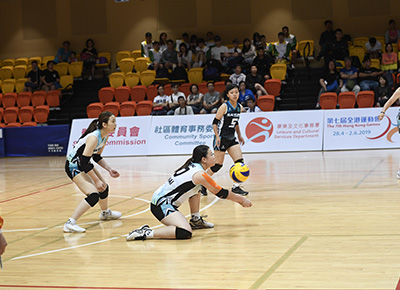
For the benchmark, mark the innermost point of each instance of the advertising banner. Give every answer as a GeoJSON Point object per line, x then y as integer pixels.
{"type": "Point", "coordinates": [130, 138]}
{"type": "Point", "coordinates": [360, 129]}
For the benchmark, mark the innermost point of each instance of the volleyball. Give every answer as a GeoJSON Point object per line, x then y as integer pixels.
{"type": "Point", "coordinates": [239, 172]}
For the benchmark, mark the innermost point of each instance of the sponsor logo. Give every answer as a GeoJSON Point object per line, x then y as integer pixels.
{"type": "Point", "coordinates": [259, 130]}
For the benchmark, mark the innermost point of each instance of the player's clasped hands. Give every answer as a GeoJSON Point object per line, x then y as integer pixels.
{"type": "Point", "coordinates": [100, 185]}
{"type": "Point", "coordinates": [114, 173]}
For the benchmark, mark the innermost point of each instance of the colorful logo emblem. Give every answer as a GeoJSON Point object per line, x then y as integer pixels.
{"type": "Point", "coordinates": [388, 131]}
{"type": "Point", "coordinates": [259, 129]}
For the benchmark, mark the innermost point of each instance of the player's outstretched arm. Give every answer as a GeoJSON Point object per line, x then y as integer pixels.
{"type": "Point", "coordinates": [394, 98]}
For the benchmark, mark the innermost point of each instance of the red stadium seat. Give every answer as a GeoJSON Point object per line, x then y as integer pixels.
{"type": "Point", "coordinates": [219, 87]}
{"type": "Point", "coordinates": [328, 101]}
{"type": "Point", "coordinates": [138, 93]}
{"type": "Point", "coordinates": [167, 89]}
{"type": "Point", "coordinates": [366, 99]}
{"type": "Point", "coordinates": [10, 115]}
{"type": "Point", "coordinates": [112, 107]}
{"type": "Point", "coordinates": [127, 108]}
{"type": "Point", "coordinates": [93, 110]}
{"type": "Point", "coordinates": [29, 124]}
{"type": "Point", "coordinates": [273, 87]}
{"type": "Point", "coordinates": [266, 103]}
{"type": "Point", "coordinates": [9, 99]}
{"type": "Point", "coordinates": [53, 98]}
{"type": "Point", "coordinates": [41, 113]}
{"type": "Point", "coordinates": [202, 88]}
{"type": "Point", "coordinates": [25, 114]}
{"type": "Point", "coordinates": [38, 98]}
{"type": "Point", "coordinates": [1, 114]}
{"type": "Point", "coordinates": [144, 108]}
{"type": "Point", "coordinates": [185, 88]}
{"type": "Point", "coordinates": [13, 125]}
{"type": "Point", "coordinates": [347, 100]}
{"type": "Point", "coordinates": [106, 94]}
{"type": "Point", "coordinates": [122, 94]}
{"type": "Point", "coordinates": [24, 99]}
{"type": "Point", "coordinates": [151, 92]}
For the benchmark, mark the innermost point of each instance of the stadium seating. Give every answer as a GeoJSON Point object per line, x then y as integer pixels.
{"type": "Point", "coordinates": [10, 115]}
{"type": "Point", "coordinates": [106, 94]}
{"type": "Point", "coordinates": [122, 94]}
{"type": "Point", "coordinates": [38, 98]}
{"type": "Point", "coordinates": [9, 100]}
{"type": "Point", "coordinates": [53, 98]}
{"type": "Point", "coordinates": [138, 93]}
{"type": "Point", "coordinates": [20, 85]}
{"type": "Point", "coordinates": [62, 68]}
{"type": "Point", "coordinates": [75, 69]}
{"type": "Point", "coordinates": [347, 100]}
{"type": "Point", "coordinates": [144, 108]}
{"type": "Point", "coordinates": [24, 99]}
{"type": "Point", "coordinates": [93, 110]}
{"type": "Point", "coordinates": [126, 65]}
{"type": "Point", "coordinates": [273, 87]}
{"type": "Point", "coordinates": [112, 107]}
{"type": "Point", "coordinates": [141, 64]}
{"type": "Point", "coordinates": [151, 92]}
{"type": "Point", "coordinates": [365, 99]}
{"type": "Point", "coordinates": [8, 85]}
{"type": "Point", "coordinates": [25, 114]}
{"type": "Point", "coordinates": [278, 71]}
{"type": "Point", "coordinates": [147, 77]}
{"type": "Point", "coordinates": [266, 103]}
{"type": "Point", "coordinates": [41, 113]}
{"type": "Point", "coordinates": [66, 82]}
{"type": "Point", "coordinates": [116, 79]}
{"type": "Point", "coordinates": [132, 79]}
{"type": "Point", "coordinates": [195, 75]}
{"type": "Point", "coordinates": [328, 100]}
{"type": "Point", "coordinates": [127, 108]}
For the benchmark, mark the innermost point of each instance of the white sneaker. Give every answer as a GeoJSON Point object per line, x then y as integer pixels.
{"type": "Point", "coordinates": [200, 224]}
{"type": "Point", "coordinates": [70, 227]}
{"type": "Point", "coordinates": [139, 234]}
{"type": "Point", "coordinates": [109, 215]}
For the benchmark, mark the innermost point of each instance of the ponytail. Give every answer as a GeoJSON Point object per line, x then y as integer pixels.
{"type": "Point", "coordinates": [198, 153]}
{"type": "Point", "coordinates": [97, 123]}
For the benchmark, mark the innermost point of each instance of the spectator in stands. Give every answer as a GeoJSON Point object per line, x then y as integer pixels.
{"type": "Point", "coordinates": [195, 99]}
{"type": "Point", "coordinates": [146, 44]}
{"type": "Point", "coordinates": [254, 81]}
{"type": "Point", "coordinates": [155, 55]}
{"type": "Point", "coordinates": [72, 57]}
{"type": "Point", "coordinates": [210, 39]}
{"type": "Point", "coordinates": [244, 93]}
{"type": "Point", "coordinates": [50, 78]}
{"type": "Point", "coordinates": [211, 100]}
{"type": "Point", "coordinates": [219, 52]}
{"type": "Point", "coordinates": [184, 56]}
{"type": "Point", "coordinates": [328, 36]}
{"type": "Point", "coordinates": [334, 50]}
{"type": "Point", "coordinates": [263, 43]}
{"type": "Point", "coordinates": [89, 57]}
{"type": "Point", "coordinates": [256, 39]}
{"type": "Point", "coordinates": [185, 40]}
{"type": "Point", "coordinates": [368, 76]}
{"type": "Point", "coordinates": [163, 42]}
{"type": "Point", "coordinates": [173, 99]}
{"type": "Point", "coordinates": [160, 102]}
{"type": "Point", "coordinates": [373, 48]}
{"type": "Point", "coordinates": [234, 55]}
{"type": "Point", "coordinates": [203, 53]}
{"type": "Point", "coordinates": [389, 63]}
{"type": "Point", "coordinates": [292, 43]}
{"type": "Point", "coordinates": [193, 43]}
{"type": "Point", "coordinates": [238, 76]}
{"type": "Point", "coordinates": [34, 78]}
{"type": "Point", "coordinates": [392, 35]}
{"type": "Point", "coordinates": [251, 105]}
{"type": "Point", "coordinates": [170, 56]}
{"type": "Point", "coordinates": [63, 53]}
{"type": "Point", "coordinates": [248, 52]}
{"type": "Point", "coordinates": [183, 109]}
{"type": "Point", "coordinates": [383, 92]}
{"type": "Point", "coordinates": [330, 81]}
{"type": "Point", "coordinates": [349, 75]}
{"type": "Point", "coordinates": [263, 62]}
{"type": "Point", "coordinates": [281, 49]}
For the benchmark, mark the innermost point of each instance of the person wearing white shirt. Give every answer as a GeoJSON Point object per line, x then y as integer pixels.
{"type": "Point", "coordinates": [210, 39]}
{"type": "Point", "coordinates": [218, 51]}
{"type": "Point", "coordinates": [160, 103]}
{"type": "Point", "coordinates": [251, 105]}
{"type": "Point", "coordinates": [146, 45]}
{"type": "Point", "coordinates": [184, 56]}
{"type": "Point", "coordinates": [183, 109]}
{"type": "Point", "coordinates": [373, 48]}
{"type": "Point", "coordinates": [202, 52]}
{"type": "Point", "coordinates": [173, 99]}
{"type": "Point", "coordinates": [238, 76]}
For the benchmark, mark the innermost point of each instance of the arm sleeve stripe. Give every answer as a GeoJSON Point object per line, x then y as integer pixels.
{"type": "Point", "coordinates": [211, 181]}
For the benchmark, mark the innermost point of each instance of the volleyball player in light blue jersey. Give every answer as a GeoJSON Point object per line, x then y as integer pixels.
{"type": "Point", "coordinates": [82, 172]}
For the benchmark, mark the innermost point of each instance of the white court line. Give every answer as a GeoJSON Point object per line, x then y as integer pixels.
{"type": "Point", "coordinates": [24, 230]}
{"type": "Point", "coordinates": [98, 242]}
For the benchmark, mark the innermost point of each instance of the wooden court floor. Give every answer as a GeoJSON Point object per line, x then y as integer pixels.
{"type": "Point", "coordinates": [319, 221]}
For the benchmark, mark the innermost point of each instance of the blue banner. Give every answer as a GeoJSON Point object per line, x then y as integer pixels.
{"type": "Point", "coordinates": [2, 153]}
{"type": "Point", "coordinates": [36, 141]}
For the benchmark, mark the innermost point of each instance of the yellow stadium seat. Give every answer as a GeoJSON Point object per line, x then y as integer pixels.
{"type": "Point", "coordinates": [107, 55]}
{"type": "Point", "coordinates": [66, 82]}
{"type": "Point", "coordinates": [360, 41]}
{"type": "Point", "coordinates": [132, 79]}
{"type": "Point", "coordinates": [278, 71]}
{"type": "Point", "coordinates": [357, 51]}
{"type": "Point", "coordinates": [62, 68]}
{"type": "Point", "coordinates": [75, 69]}
{"type": "Point", "coordinates": [195, 75]}
{"type": "Point", "coordinates": [21, 61]}
{"type": "Point", "coordinates": [136, 53]}
{"type": "Point", "coordinates": [141, 64]}
{"type": "Point", "coordinates": [19, 71]}
{"type": "Point", "coordinates": [6, 72]}
{"type": "Point", "coordinates": [8, 86]}
{"type": "Point", "coordinates": [8, 62]}
{"type": "Point", "coordinates": [122, 54]}
{"type": "Point", "coordinates": [381, 39]}
{"type": "Point", "coordinates": [37, 58]}
{"type": "Point", "coordinates": [116, 79]}
{"type": "Point", "coordinates": [376, 63]}
{"type": "Point", "coordinates": [395, 48]}
{"type": "Point", "coordinates": [20, 84]}
{"type": "Point", "coordinates": [306, 48]}
{"type": "Point", "coordinates": [126, 65]}
{"type": "Point", "coordinates": [147, 77]}
{"type": "Point", "coordinates": [47, 59]}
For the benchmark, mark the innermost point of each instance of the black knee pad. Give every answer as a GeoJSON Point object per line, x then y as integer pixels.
{"type": "Point", "coordinates": [104, 193]}
{"type": "Point", "coordinates": [92, 199]}
{"type": "Point", "coordinates": [182, 234]}
{"type": "Point", "coordinates": [239, 160]}
{"type": "Point", "coordinates": [216, 167]}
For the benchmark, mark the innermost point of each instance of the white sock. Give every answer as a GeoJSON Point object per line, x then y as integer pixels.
{"type": "Point", "coordinates": [150, 234]}
{"type": "Point", "coordinates": [236, 185]}
{"type": "Point", "coordinates": [195, 216]}
{"type": "Point", "coordinates": [73, 221]}
{"type": "Point", "coordinates": [104, 211]}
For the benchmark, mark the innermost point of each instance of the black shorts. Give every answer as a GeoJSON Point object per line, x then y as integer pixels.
{"type": "Point", "coordinates": [163, 210]}
{"type": "Point", "coordinates": [71, 169]}
{"type": "Point", "coordinates": [225, 144]}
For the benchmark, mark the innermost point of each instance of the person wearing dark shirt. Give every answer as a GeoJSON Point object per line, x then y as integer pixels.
{"type": "Point", "coordinates": [263, 62]}
{"type": "Point", "coordinates": [330, 81]}
{"type": "Point", "coordinates": [334, 50]}
{"type": "Point", "coordinates": [368, 76]}
{"type": "Point", "coordinates": [34, 78]}
{"type": "Point", "coordinates": [50, 78]}
{"type": "Point", "coordinates": [254, 82]}
{"type": "Point", "coordinates": [89, 58]}
{"type": "Point", "coordinates": [170, 56]}
{"type": "Point", "coordinates": [383, 92]}
{"type": "Point", "coordinates": [328, 35]}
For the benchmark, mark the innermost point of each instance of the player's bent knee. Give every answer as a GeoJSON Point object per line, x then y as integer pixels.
{"type": "Point", "coordinates": [216, 167]}
{"type": "Point", "coordinates": [182, 234]}
{"type": "Point", "coordinates": [104, 193]}
{"type": "Point", "coordinates": [92, 199]}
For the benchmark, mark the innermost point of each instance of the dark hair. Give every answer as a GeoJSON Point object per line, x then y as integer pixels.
{"type": "Point", "coordinates": [181, 97]}
{"type": "Point", "coordinates": [34, 62]}
{"type": "Point", "coordinates": [256, 35]}
{"type": "Point", "coordinates": [66, 42]}
{"type": "Point", "coordinates": [194, 85]}
{"type": "Point", "coordinates": [386, 46]}
{"type": "Point", "coordinates": [198, 153]}
{"type": "Point", "coordinates": [228, 81]}
{"type": "Point", "coordinates": [98, 123]}
{"type": "Point", "coordinates": [338, 30]}
{"type": "Point", "coordinates": [170, 41]}
{"type": "Point", "coordinates": [238, 65]}
{"type": "Point", "coordinates": [391, 21]}
{"type": "Point", "coordinates": [208, 33]}
{"type": "Point", "coordinates": [285, 27]}
{"type": "Point", "coordinates": [155, 42]}
{"type": "Point", "coordinates": [148, 34]}
{"type": "Point", "coordinates": [210, 83]}
{"type": "Point", "coordinates": [174, 85]}
{"type": "Point", "coordinates": [242, 82]}
{"type": "Point", "coordinates": [260, 47]}
{"type": "Point", "coordinates": [193, 38]}
{"type": "Point", "coordinates": [161, 41]}
{"type": "Point", "coordinates": [327, 22]}
{"type": "Point", "coordinates": [384, 77]}
{"type": "Point", "coordinates": [348, 58]}
{"type": "Point", "coordinates": [73, 52]}
{"type": "Point", "coordinates": [181, 45]}
{"type": "Point", "coordinates": [185, 34]}
{"type": "Point", "coordinates": [327, 65]}
{"type": "Point", "coordinates": [201, 40]}
{"type": "Point", "coordinates": [281, 34]}
{"type": "Point", "coordinates": [87, 41]}
{"type": "Point", "coordinates": [160, 86]}
{"type": "Point", "coordinates": [366, 58]}
{"type": "Point", "coordinates": [372, 40]}
{"type": "Point", "coordinates": [49, 62]}
{"type": "Point", "coordinates": [227, 89]}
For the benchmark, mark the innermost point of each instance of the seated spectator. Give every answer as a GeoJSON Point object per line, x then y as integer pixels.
{"type": "Point", "coordinates": [373, 48]}
{"type": "Point", "coordinates": [212, 71]}
{"type": "Point", "coordinates": [195, 99]}
{"type": "Point", "coordinates": [185, 40]}
{"type": "Point", "coordinates": [193, 43]}
{"type": "Point", "coordinates": [203, 53]}
{"type": "Point", "coordinates": [89, 57]}
{"type": "Point", "coordinates": [146, 44]}
{"type": "Point", "coordinates": [254, 81]}
{"type": "Point", "coordinates": [248, 52]}
{"type": "Point", "coordinates": [328, 36]}
{"type": "Point", "coordinates": [211, 100]}
{"type": "Point", "coordinates": [34, 78]}
{"type": "Point", "coordinates": [256, 42]}
{"type": "Point", "coordinates": [392, 35]}
{"type": "Point", "coordinates": [244, 94]}
{"type": "Point", "coordinates": [389, 63]}
{"type": "Point", "coordinates": [183, 109]}
{"type": "Point", "coordinates": [263, 62]}
{"type": "Point", "coordinates": [184, 56]}
{"type": "Point", "coordinates": [173, 99]}
{"type": "Point", "coordinates": [264, 43]}
{"type": "Point", "coordinates": [292, 42]}
{"type": "Point", "coordinates": [155, 56]}
{"type": "Point", "coordinates": [219, 52]}
{"type": "Point", "coordinates": [337, 49]}
{"type": "Point", "coordinates": [210, 40]}
{"type": "Point", "coordinates": [234, 55]}
{"type": "Point", "coordinates": [368, 76]}
{"type": "Point", "coordinates": [63, 53]}
{"type": "Point", "coordinates": [349, 76]}
{"type": "Point", "coordinates": [238, 76]}
{"type": "Point", "coordinates": [251, 105]}
{"type": "Point", "coordinates": [281, 49]}
{"type": "Point", "coordinates": [163, 42]}
{"type": "Point", "coordinates": [170, 56]}
{"type": "Point", "coordinates": [50, 78]}
{"type": "Point", "coordinates": [383, 92]}
{"type": "Point", "coordinates": [72, 57]}
{"type": "Point", "coordinates": [330, 81]}
{"type": "Point", "coordinates": [160, 102]}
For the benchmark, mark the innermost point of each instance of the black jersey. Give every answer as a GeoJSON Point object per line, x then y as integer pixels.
{"type": "Point", "coordinates": [229, 121]}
